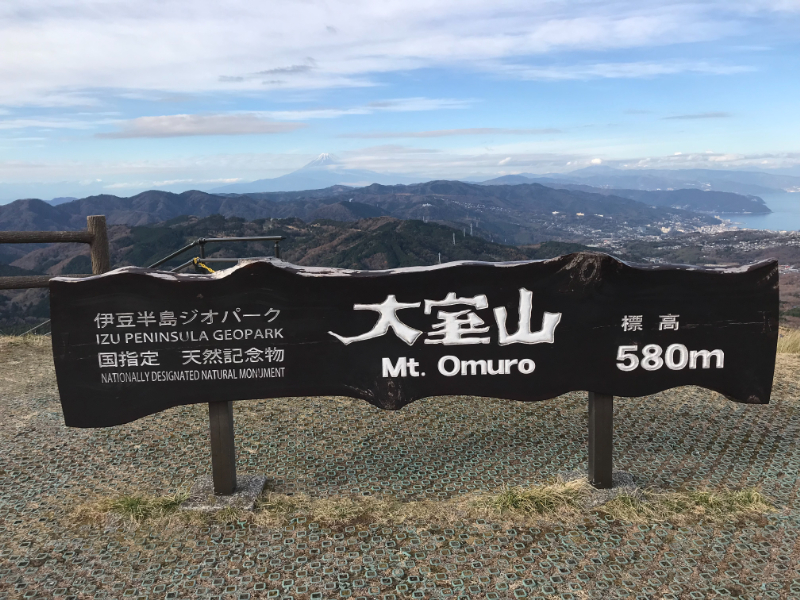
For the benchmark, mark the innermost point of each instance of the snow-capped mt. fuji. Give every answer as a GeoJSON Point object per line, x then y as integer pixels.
{"type": "Point", "coordinates": [323, 161]}
{"type": "Point", "coordinates": [324, 171]}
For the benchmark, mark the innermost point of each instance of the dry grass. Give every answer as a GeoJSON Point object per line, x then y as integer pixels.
{"type": "Point", "coordinates": [560, 498]}
{"type": "Point", "coordinates": [31, 341]}
{"type": "Point", "coordinates": [688, 506]}
{"type": "Point", "coordinates": [557, 497]}
{"type": "Point", "coordinates": [789, 341]}
{"type": "Point", "coordinates": [565, 501]}
{"type": "Point", "coordinates": [135, 509]}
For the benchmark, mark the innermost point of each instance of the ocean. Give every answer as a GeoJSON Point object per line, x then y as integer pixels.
{"type": "Point", "coordinates": [785, 215]}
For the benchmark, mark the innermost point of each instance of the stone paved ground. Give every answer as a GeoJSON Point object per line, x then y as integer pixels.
{"type": "Point", "coordinates": [435, 449]}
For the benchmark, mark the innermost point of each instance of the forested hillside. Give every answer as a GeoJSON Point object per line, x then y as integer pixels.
{"type": "Point", "coordinates": [375, 243]}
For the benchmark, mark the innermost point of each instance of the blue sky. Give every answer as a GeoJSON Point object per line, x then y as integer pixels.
{"type": "Point", "coordinates": [118, 97]}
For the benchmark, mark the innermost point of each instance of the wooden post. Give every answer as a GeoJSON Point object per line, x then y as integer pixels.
{"type": "Point", "coordinates": [277, 249]}
{"type": "Point", "coordinates": [601, 440]}
{"type": "Point", "coordinates": [96, 224]}
{"type": "Point", "coordinates": [223, 449]}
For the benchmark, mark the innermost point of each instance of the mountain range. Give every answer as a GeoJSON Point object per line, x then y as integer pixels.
{"type": "Point", "coordinates": [326, 171]}
{"type": "Point", "coordinates": [519, 214]}
{"type": "Point", "coordinates": [706, 201]}
{"type": "Point", "coordinates": [738, 182]}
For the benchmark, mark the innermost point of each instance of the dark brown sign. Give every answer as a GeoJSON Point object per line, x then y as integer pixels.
{"type": "Point", "coordinates": [134, 342]}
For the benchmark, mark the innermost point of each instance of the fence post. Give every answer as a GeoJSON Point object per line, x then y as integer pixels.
{"type": "Point", "coordinates": [601, 440]}
{"type": "Point", "coordinates": [223, 448]}
{"type": "Point", "coordinates": [96, 224]}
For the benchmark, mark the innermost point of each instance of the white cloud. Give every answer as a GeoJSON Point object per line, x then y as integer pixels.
{"type": "Point", "coordinates": [449, 132]}
{"type": "Point", "coordinates": [189, 125]}
{"type": "Point", "coordinates": [209, 166]}
{"type": "Point", "coordinates": [439, 164]}
{"type": "Point", "coordinates": [713, 160]}
{"type": "Point", "coordinates": [705, 115]}
{"type": "Point", "coordinates": [52, 123]}
{"type": "Point", "coordinates": [619, 70]}
{"type": "Point", "coordinates": [253, 123]}
{"type": "Point", "coordinates": [391, 105]}
{"type": "Point", "coordinates": [168, 182]}
{"type": "Point", "coordinates": [416, 104]}
{"type": "Point", "coordinates": [64, 52]}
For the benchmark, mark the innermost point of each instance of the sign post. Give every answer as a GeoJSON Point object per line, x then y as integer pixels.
{"type": "Point", "coordinates": [223, 447]}
{"type": "Point", "coordinates": [601, 439]}
{"type": "Point", "coordinates": [134, 342]}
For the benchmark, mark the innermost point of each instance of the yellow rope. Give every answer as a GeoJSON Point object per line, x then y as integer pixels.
{"type": "Point", "coordinates": [206, 267]}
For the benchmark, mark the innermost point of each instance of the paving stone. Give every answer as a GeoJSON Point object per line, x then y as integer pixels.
{"type": "Point", "coordinates": [435, 449]}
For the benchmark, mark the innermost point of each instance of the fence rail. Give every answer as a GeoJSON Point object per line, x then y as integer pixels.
{"type": "Point", "coordinates": [45, 237]}
{"type": "Point", "coordinates": [31, 281]}
{"type": "Point", "coordinates": [96, 235]}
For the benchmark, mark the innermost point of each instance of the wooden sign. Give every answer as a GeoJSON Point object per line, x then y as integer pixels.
{"type": "Point", "coordinates": [134, 342]}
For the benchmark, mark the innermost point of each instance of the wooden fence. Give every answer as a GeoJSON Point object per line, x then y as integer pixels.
{"type": "Point", "coordinates": [95, 235]}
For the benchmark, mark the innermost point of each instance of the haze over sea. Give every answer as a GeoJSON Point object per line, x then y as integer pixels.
{"type": "Point", "coordinates": [785, 215]}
